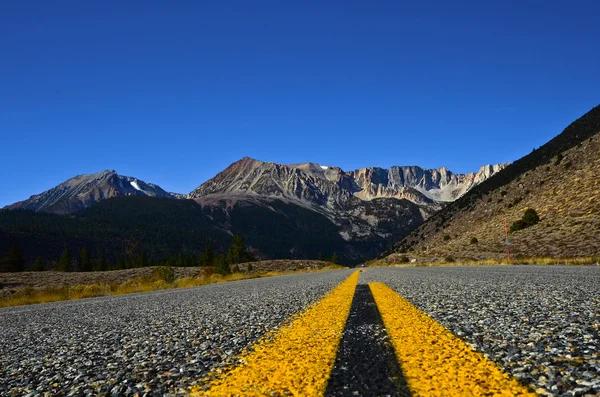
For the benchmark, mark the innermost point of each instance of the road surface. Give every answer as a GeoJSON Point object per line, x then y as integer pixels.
{"type": "Point", "coordinates": [386, 331]}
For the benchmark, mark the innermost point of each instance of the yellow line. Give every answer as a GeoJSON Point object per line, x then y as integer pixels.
{"type": "Point", "coordinates": [434, 362]}
{"type": "Point", "coordinates": [298, 359]}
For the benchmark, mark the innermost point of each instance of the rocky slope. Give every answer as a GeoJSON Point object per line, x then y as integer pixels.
{"type": "Point", "coordinates": [560, 181]}
{"type": "Point", "coordinates": [334, 188]}
{"type": "Point", "coordinates": [85, 190]}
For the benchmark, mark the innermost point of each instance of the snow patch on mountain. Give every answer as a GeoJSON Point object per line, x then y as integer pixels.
{"type": "Point", "coordinates": [135, 185]}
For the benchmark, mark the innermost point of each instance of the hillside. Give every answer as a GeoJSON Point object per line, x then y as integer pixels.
{"type": "Point", "coordinates": [560, 181]}
{"type": "Point", "coordinates": [164, 227]}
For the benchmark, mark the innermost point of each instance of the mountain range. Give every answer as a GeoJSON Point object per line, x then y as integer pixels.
{"type": "Point", "coordinates": [315, 208]}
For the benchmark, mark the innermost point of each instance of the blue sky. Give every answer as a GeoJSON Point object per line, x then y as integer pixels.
{"type": "Point", "coordinates": [173, 92]}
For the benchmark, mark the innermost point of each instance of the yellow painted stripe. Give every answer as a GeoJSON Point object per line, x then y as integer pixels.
{"type": "Point", "coordinates": [296, 360]}
{"type": "Point", "coordinates": [434, 362]}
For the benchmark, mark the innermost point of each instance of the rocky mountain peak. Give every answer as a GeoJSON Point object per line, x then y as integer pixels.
{"type": "Point", "coordinates": [84, 190]}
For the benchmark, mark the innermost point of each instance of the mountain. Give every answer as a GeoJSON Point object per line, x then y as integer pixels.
{"type": "Point", "coordinates": [283, 211]}
{"type": "Point", "coordinates": [559, 180]}
{"type": "Point", "coordinates": [368, 208]}
{"type": "Point", "coordinates": [331, 187]}
{"type": "Point", "coordinates": [85, 190]}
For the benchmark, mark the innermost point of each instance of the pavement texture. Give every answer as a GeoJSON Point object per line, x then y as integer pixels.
{"type": "Point", "coordinates": [540, 324]}
{"type": "Point", "coordinates": [154, 343]}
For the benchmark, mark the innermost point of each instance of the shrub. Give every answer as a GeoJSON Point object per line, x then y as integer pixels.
{"type": "Point", "coordinates": [449, 259]}
{"type": "Point", "coordinates": [447, 238]}
{"type": "Point", "coordinates": [249, 267]}
{"type": "Point", "coordinates": [559, 157]}
{"type": "Point", "coordinates": [163, 273]}
{"type": "Point", "coordinates": [503, 193]}
{"type": "Point", "coordinates": [517, 225]}
{"type": "Point", "coordinates": [474, 240]}
{"type": "Point", "coordinates": [530, 218]}
{"type": "Point", "coordinates": [403, 259]}
{"type": "Point", "coordinates": [568, 164]}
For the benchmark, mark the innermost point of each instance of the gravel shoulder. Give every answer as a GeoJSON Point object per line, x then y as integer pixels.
{"type": "Point", "coordinates": [158, 343]}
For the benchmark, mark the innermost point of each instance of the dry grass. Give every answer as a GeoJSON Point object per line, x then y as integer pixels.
{"type": "Point", "coordinates": [28, 296]}
{"type": "Point", "coordinates": [581, 261]}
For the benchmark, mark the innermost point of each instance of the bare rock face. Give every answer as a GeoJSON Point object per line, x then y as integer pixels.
{"type": "Point", "coordinates": [334, 188]}
{"type": "Point", "coordinates": [419, 185]}
{"type": "Point", "coordinates": [85, 190]}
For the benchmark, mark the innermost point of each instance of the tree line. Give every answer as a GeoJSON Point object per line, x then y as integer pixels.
{"type": "Point", "coordinates": [84, 261]}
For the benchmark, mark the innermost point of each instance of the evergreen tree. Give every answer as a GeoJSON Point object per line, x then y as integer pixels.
{"type": "Point", "coordinates": [14, 261]}
{"type": "Point", "coordinates": [120, 263]}
{"type": "Point", "coordinates": [84, 261]}
{"type": "Point", "coordinates": [320, 256]}
{"type": "Point", "coordinates": [208, 256]}
{"type": "Point", "coordinates": [334, 259]}
{"type": "Point", "coordinates": [101, 264]}
{"type": "Point", "coordinates": [237, 251]}
{"type": "Point", "coordinates": [221, 265]}
{"type": "Point", "coordinates": [64, 263]}
{"type": "Point", "coordinates": [38, 266]}
{"type": "Point", "coordinates": [141, 260]}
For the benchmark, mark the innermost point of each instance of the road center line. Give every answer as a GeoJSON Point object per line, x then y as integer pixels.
{"type": "Point", "coordinates": [434, 362]}
{"type": "Point", "coordinates": [297, 359]}
{"type": "Point", "coordinates": [366, 364]}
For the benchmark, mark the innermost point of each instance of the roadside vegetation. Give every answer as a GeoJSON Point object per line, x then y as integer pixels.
{"type": "Point", "coordinates": [403, 260]}
{"type": "Point", "coordinates": [161, 278]}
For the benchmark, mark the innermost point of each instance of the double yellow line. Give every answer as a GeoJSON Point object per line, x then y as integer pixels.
{"type": "Point", "coordinates": [297, 359]}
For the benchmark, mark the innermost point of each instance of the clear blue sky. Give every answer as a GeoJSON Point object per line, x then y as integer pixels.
{"type": "Point", "coordinates": [172, 92]}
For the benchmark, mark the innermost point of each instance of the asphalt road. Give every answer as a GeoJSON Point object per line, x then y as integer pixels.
{"type": "Point", "coordinates": [154, 342]}
{"type": "Point", "coordinates": [540, 324]}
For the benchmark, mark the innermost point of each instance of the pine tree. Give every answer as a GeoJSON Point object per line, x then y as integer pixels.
{"type": "Point", "coordinates": [334, 258]}
{"type": "Point", "coordinates": [84, 261]}
{"type": "Point", "coordinates": [101, 265]}
{"type": "Point", "coordinates": [141, 260]}
{"type": "Point", "coordinates": [237, 251]}
{"type": "Point", "coordinates": [221, 265]}
{"type": "Point", "coordinates": [208, 256]}
{"type": "Point", "coordinates": [38, 266]}
{"type": "Point", "coordinates": [14, 261]}
{"type": "Point", "coordinates": [120, 263]}
{"type": "Point", "coordinates": [64, 263]}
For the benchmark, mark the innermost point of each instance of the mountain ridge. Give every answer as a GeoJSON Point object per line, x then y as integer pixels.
{"type": "Point", "coordinates": [84, 190]}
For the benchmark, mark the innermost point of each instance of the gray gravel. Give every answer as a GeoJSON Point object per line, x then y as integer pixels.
{"type": "Point", "coordinates": [154, 344]}
{"type": "Point", "coordinates": [540, 323]}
